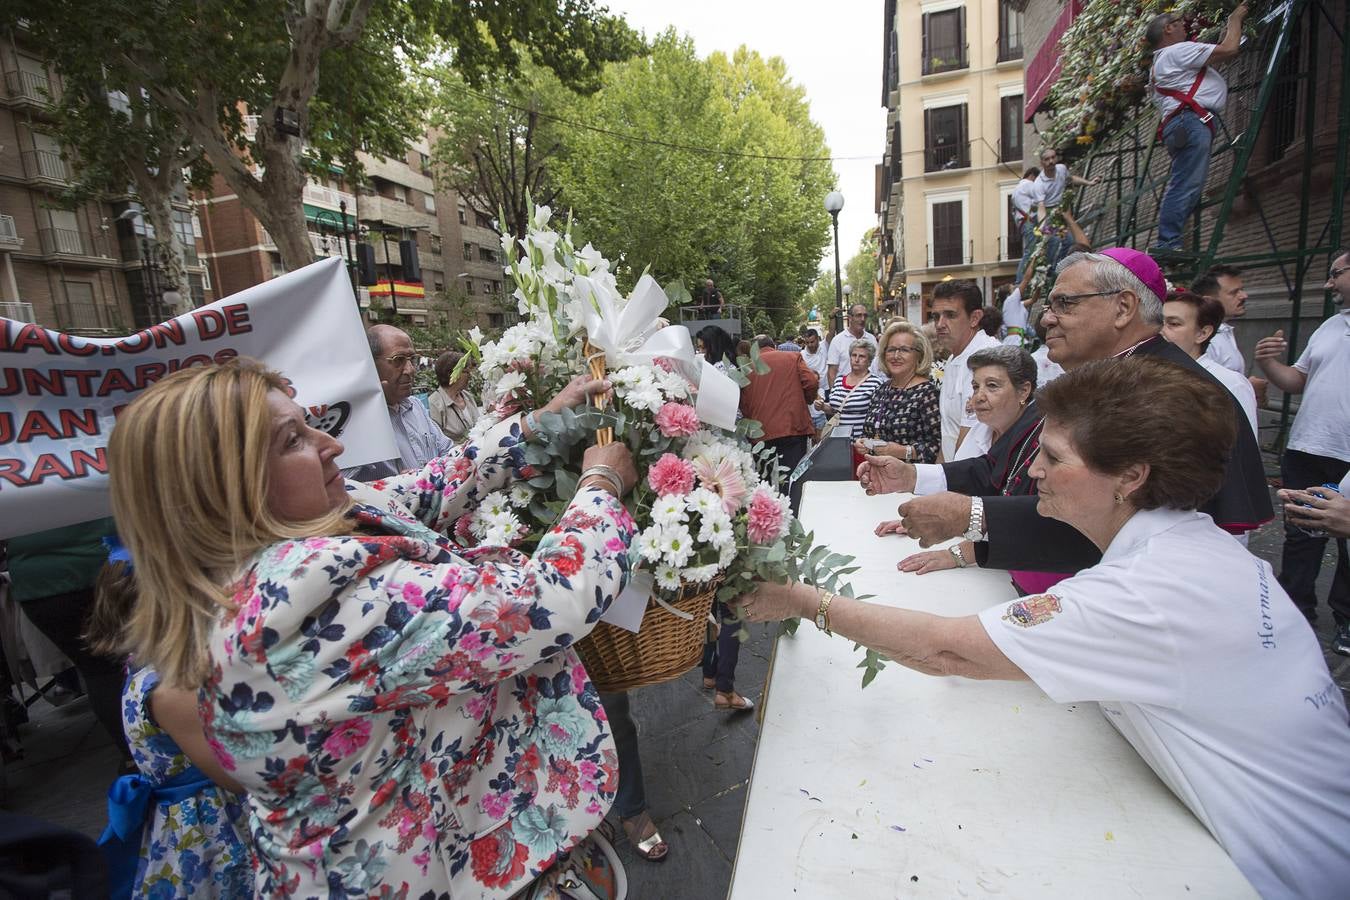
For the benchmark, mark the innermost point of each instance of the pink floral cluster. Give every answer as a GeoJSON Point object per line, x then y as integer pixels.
{"type": "Point", "coordinates": [671, 475]}
{"type": "Point", "coordinates": [677, 420]}
{"type": "Point", "coordinates": [767, 520]}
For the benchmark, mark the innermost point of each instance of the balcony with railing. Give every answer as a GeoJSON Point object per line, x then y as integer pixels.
{"type": "Point", "coordinates": [17, 310]}
{"type": "Point", "coordinates": [375, 208]}
{"type": "Point", "coordinates": [45, 167]}
{"type": "Point", "coordinates": [1009, 33]}
{"type": "Point", "coordinates": [947, 157]}
{"type": "Point", "coordinates": [28, 88]}
{"type": "Point", "coordinates": [9, 234]}
{"type": "Point", "coordinates": [329, 198]}
{"type": "Point", "coordinates": [950, 253]}
{"type": "Point", "coordinates": [81, 315]}
{"type": "Point", "coordinates": [66, 242]}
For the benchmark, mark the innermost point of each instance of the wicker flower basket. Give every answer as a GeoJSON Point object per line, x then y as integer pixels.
{"type": "Point", "coordinates": [665, 648]}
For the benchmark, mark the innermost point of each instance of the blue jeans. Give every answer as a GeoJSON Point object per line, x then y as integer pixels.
{"type": "Point", "coordinates": [1187, 140]}
{"type": "Point", "coordinates": [720, 656]}
{"type": "Point", "coordinates": [631, 797]}
{"type": "Point", "coordinates": [1029, 235]}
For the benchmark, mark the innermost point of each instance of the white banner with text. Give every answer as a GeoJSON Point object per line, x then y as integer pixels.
{"type": "Point", "coordinates": [60, 394]}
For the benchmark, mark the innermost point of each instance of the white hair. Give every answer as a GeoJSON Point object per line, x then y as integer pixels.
{"type": "Point", "coordinates": [1109, 274]}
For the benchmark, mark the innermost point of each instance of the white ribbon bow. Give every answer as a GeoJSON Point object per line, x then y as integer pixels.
{"type": "Point", "coordinates": [630, 335]}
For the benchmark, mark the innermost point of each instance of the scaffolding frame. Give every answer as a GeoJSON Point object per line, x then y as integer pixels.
{"type": "Point", "coordinates": [1122, 210]}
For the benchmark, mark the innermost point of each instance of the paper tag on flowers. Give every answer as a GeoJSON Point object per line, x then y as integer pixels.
{"type": "Point", "coordinates": [628, 608]}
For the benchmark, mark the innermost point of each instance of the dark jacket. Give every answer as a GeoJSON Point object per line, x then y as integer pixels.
{"type": "Point", "coordinates": [1020, 538]}
{"type": "Point", "coordinates": [987, 475]}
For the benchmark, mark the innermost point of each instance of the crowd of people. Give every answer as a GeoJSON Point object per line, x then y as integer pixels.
{"type": "Point", "coordinates": [328, 695]}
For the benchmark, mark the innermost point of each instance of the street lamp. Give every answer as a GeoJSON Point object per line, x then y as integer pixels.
{"type": "Point", "coordinates": [834, 202]}
{"type": "Point", "coordinates": [323, 218]}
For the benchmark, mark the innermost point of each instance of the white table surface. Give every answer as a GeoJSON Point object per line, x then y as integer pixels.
{"type": "Point", "coordinates": [999, 790]}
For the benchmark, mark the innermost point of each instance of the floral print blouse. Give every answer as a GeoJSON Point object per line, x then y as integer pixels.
{"type": "Point", "coordinates": [197, 847]}
{"type": "Point", "coordinates": [407, 715]}
{"type": "Point", "coordinates": [906, 416]}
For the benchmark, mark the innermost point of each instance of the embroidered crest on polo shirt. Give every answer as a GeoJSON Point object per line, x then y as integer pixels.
{"type": "Point", "coordinates": [1032, 610]}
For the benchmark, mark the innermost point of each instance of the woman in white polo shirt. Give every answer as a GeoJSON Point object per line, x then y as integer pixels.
{"type": "Point", "coordinates": [1186, 640]}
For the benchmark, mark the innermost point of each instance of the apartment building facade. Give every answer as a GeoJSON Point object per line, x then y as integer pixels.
{"type": "Point", "coordinates": [77, 269]}
{"type": "Point", "coordinates": [952, 83]}
{"type": "Point", "coordinates": [459, 281]}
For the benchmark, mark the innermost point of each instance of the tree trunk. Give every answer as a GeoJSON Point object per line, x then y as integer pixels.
{"type": "Point", "coordinates": [155, 190]}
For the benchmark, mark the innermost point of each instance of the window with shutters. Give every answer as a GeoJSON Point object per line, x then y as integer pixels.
{"type": "Point", "coordinates": [949, 237]}
{"type": "Point", "coordinates": [468, 250]}
{"type": "Point", "coordinates": [1009, 32]}
{"type": "Point", "coordinates": [944, 41]}
{"type": "Point", "coordinates": [946, 141]}
{"type": "Point", "coordinates": [1010, 128]}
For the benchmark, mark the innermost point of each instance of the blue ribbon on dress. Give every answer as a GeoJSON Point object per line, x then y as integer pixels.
{"type": "Point", "coordinates": [129, 801]}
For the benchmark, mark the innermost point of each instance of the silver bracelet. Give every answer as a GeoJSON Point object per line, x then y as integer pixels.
{"type": "Point", "coordinates": [607, 473]}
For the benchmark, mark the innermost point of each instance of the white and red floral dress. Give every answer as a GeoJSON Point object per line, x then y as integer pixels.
{"type": "Point", "coordinates": [407, 716]}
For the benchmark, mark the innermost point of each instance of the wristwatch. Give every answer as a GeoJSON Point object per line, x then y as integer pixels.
{"type": "Point", "coordinates": [975, 530]}
{"type": "Point", "coordinates": [955, 550]}
{"type": "Point", "coordinates": [823, 612]}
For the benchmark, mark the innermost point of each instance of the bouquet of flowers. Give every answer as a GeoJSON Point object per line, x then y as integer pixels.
{"type": "Point", "coordinates": [710, 502]}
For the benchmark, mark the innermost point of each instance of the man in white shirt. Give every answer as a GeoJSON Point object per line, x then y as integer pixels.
{"type": "Point", "coordinates": [1050, 185]}
{"type": "Point", "coordinates": [1189, 94]}
{"type": "Point", "coordinates": [1224, 284]}
{"type": "Point", "coordinates": [1318, 450]}
{"type": "Point", "coordinates": [1016, 313]}
{"type": "Point", "coordinates": [814, 356]}
{"type": "Point", "coordinates": [418, 438]}
{"type": "Point", "coordinates": [1025, 198]}
{"type": "Point", "coordinates": [856, 330]}
{"type": "Point", "coordinates": [956, 311]}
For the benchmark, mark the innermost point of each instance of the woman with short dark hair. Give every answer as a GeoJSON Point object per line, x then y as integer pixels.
{"type": "Point", "coordinates": [1190, 645]}
{"type": "Point", "coordinates": [451, 406]}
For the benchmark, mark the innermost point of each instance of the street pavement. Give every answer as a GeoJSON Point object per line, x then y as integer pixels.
{"type": "Point", "coordinates": [696, 763]}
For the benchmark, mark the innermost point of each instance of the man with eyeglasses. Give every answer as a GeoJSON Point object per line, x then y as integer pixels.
{"type": "Point", "coordinates": [1318, 450]}
{"type": "Point", "coordinates": [1189, 95]}
{"type": "Point", "coordinates": [837, 355]}
{"type": "Point", "coordinates": [1104, 305]}
{"type": "Point", "coordinates": [415, 434]}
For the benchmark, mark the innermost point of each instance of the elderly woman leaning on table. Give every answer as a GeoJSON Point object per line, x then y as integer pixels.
{"type": "Point", "coordinates": [852, 390]}
{"type": "Point", "coordinates": [1186, 640]}
{"type": "Point", "coordinates": [903, 419]}
{"type": "Point", "coordinates": [405, 715]}
{"type": "Point", "coordinates": [1004, 378]}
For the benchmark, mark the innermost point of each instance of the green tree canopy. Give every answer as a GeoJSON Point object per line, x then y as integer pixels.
{"type": "Point", "coordinates": [337, 72]}
{"type": "Point", "coordinates": [666, 171]}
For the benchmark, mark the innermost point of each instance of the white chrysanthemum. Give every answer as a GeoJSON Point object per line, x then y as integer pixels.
{"type": "Point", "coordinates": [645, 398]}
{"type": "Point", "coordinates": [668, 511]}
{"type": "Point", "coordinates": [703, 501]}
{"type": "Point", "coordinates": [505, 532]}
{"type": "Point", "coordinates": [674, 386]}
{"type": "Point", "coordinates": [494, 504]}
{"type": "Point", "coordinates": [649, 543]}
{"type": "Point", "coordinates": [717, 530]}
{"type": "Point", "coordinates": [520, 495]}
{"type": "Point", "coordinates": [511, 381]}
{"type": "Point", "coordinates": [701, 574]}
{"type": "Point", "coordinates": [667, 577]}
{"type": "Point", "coordinates": [727, 555]}
{"type": "Point", "coordinates": [677, 545]}
{"type": "Point", "coordinates": [480, 428]}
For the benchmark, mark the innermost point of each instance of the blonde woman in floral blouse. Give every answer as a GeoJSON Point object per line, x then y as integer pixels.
{"type": "Point", "coordinates": [407, 716]}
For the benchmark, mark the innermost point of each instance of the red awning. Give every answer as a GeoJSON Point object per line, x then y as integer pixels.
{"type": "Point", "coordinates": [1044, 66]}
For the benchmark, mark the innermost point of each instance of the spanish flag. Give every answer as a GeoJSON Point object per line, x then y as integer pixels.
{"type": "Point", "coordinates": [399, 289]}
